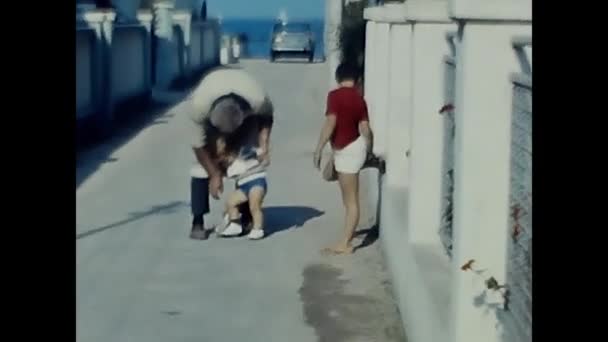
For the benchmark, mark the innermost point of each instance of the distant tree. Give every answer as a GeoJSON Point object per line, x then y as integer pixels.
{"type": "Point", "coordinates": [104, 4]}
{"type": "Point", "coordinates": [204, 10]}
{"type": "Point", "coordinates": [351, 39]}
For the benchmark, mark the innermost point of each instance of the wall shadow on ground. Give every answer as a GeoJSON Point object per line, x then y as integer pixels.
{"type": "Point", "coordinates": [129, 118]}
{"type": "Point", "coordinates": [278, 219]}
{"type": "Point", "coordinates": [91, 155]}
{"type": "Point", "coordinates": [162, 209]}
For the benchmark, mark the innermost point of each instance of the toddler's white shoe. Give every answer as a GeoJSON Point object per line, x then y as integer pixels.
{"type": "Point", "coordinates": [256, 234]}
{"type": "Point", "coordinates": [233, 229]}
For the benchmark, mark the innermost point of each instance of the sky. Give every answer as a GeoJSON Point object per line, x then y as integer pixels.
{"type": "Point", "coordinates": [305, 9]}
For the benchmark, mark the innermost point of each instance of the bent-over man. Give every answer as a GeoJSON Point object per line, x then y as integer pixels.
{"type": "Point", "coordinates": [225, 100]}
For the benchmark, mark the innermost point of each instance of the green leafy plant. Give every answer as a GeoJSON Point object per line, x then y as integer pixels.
{"type": "Point", "coordinates": [351, 39]}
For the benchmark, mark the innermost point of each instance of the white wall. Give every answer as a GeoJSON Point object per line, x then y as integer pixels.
{"type": "Point", "coordinates": [196, 39]}
{"type": "Point", "coordinates": [85, 40]}
{"type": "Point", "coordinates": [379, 95]}
{"type": "Point", "coordinates": [429, 48]}
{"type": "Point", "coordinates": [518, 319]}
{"type": "Point", "coordinates": [211, 43]}
{"type": "Point", "coordinates": [400, 97]}
{"type": "Point", "coordinates": [113, 59]}
{"type": "Point", "coordinates": [485, 60]}
{"type": "Point", "coordinates": [204, 44]}
{"type": "Point", "coordinates": [128, 62]}
{"type": "Point", "coordinates": [504, 10]}
{"type": "Point", "coordinates": [174, 64]}
{"type": "Point", "coordinates": [405, 87]}
{"type": "Point", "coordinates": [373, 193]}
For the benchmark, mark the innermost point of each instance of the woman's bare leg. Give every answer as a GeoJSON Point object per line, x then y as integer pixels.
{"type": "Point", "coordinates": [349, 186]}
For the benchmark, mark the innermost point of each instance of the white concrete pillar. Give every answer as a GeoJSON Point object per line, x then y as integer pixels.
{"type": "Point", "coordinates": [236, 47]}
{"type": "Point", "coordinates": [145, 18]}
{"type": "Point", "coordinates": [370, 178]}
{"type": "Point", "coordinates": [183, 18]}
{"type": "Point", "coordinates": [377, 78]}
{"type": "Point", "coordinates": [165, 44]}
{"type": "Point", "coordinates": [93, 20]}
{"type": "Point", "coordinates": [428, 50]}
{"type": "Point", "coordinates": [102, 22]}
{"type": "Point", "coordinates": [370, 53]}
{"type": "Point", "coordinates": [380, 110]}
{"type": "Point", "coordinates": [485, 58]}
{"type": "Point", "coordinates": [400, 101]}
{"type": "Point", "coordinates": [226, 53]}
{"type": "Point", "coordinates": [211, 43]}
{"type": "Point", "coordinates": [333, 20]}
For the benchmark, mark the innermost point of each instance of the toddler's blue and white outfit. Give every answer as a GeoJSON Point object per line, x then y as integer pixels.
{"type": "Point", "coordinates": [247, 171]}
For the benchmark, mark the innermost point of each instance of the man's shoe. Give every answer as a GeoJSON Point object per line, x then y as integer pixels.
{"type": "Point", "coordinates": [199, 232]}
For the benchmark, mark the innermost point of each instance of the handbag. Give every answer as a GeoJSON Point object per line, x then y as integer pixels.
{"type": "Point", "coordinates": [329, 171]}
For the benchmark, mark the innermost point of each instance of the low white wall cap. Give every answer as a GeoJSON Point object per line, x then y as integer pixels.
{"type": "Point", "coordinates": [164, 4]}
{"type": "Point", "coordinates": [389, 13]}
{"type": "Point", "coordinates": [96, 15]}
{"type": "Point", "coordinates": [181, 14]}
{"type": "Point", "coordinates": [145, 15]}
{"type": "Point", "coordinates": [492, 10]}
{"type": "Point", "coordinates": [428, 11]}
{"type": "Point", "coordinates": [432, 11]}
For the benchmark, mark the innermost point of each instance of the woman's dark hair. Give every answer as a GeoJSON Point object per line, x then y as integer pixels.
{"type": "Point", "coordinates": [347, 71]}
{"type": "Point", "coordinates": [234, 141]}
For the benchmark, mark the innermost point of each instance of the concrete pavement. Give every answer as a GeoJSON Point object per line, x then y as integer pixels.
{"type": "Point", "coordinates": [139, 277]}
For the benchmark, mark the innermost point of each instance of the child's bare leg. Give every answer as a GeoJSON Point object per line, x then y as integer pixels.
{"type": "Point", "coordinates": [232, 204]}
{"type": "Point", "coordinates": [349, 186]}
{"type": "Point", "coordinates": [256, 196]}
{"type": "Point", "coordinates": [233, 227]}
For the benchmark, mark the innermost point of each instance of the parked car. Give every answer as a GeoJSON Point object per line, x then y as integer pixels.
{"type": "Point", "coordinates": [292, 38]}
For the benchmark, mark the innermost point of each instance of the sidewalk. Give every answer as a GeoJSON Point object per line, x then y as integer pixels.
{"type": "Point", "coordinates": [139, 277]}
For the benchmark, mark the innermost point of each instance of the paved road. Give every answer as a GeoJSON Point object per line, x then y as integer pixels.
{"type": "Point", "coordinates": [140, 279]}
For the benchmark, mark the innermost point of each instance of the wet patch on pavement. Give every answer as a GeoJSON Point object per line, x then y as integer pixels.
{"type": "Point", "coordinates": [340, 317]}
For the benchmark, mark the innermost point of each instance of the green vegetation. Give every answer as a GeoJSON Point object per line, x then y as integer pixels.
{"type": "Point", "coordinates": [352, 33]}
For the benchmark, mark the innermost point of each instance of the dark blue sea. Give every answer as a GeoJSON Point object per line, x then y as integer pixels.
{"type": "Point", "coordinates": [258, 33]}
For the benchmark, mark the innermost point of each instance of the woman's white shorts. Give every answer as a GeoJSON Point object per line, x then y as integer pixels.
{"type": "Point", "coordinates": [351, 158]}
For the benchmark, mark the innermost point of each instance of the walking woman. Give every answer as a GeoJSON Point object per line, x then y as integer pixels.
{"type": "Point", "coordinates": [347, 127]}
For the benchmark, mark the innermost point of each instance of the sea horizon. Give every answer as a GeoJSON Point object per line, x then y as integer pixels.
{"type": "Point", "coordinates": [258, 32]}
